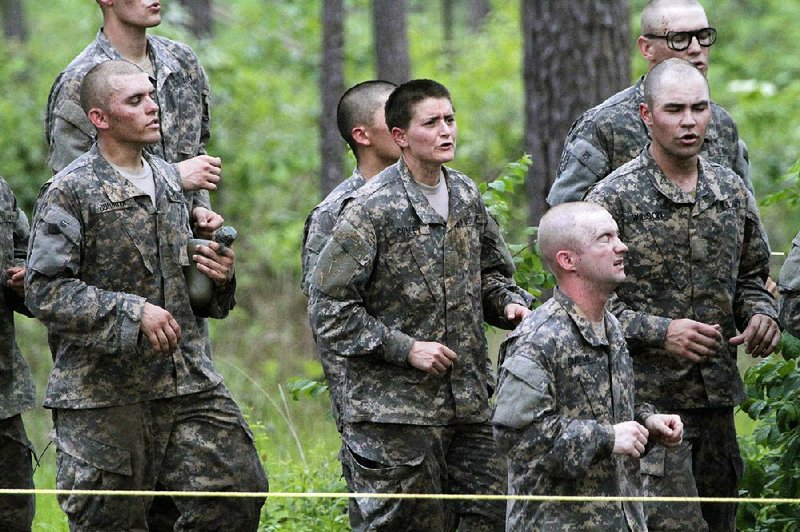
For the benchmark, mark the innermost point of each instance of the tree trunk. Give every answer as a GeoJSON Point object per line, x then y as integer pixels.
{"type": "Point", "coordinates": [577, 54]}
{"type": "Point", "coordinates": [201, 20]}
{"type": "Point", "coordinates": [331, 89]}
{"type": "Point", "coordinates": [391, 40]}
{"type": "Point", "coordinates": [14, 25]}
{"type": "Point", "coordinates": [478, 13]}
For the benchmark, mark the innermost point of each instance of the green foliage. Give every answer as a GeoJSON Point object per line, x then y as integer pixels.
{"type": "Point", "coordinates": [500, 196]}
{"type": "Point", "coordinates": [771, 452]}
{"type": "Point", "coordinates": [300, 386]}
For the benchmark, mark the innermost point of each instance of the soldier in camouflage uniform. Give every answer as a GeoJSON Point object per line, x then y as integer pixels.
{"type": "Point", "coordinates": [182, 94]}
{"type": "Point", "coordinates": [414, 267]}
{"type": "Point", "coordinates": [361, 121]}
{"type": "Point", "coordinates": [16, 386]}
{"type": "Point", "coordinates": [137, 401]}
{"type": "Point", "coordinates": [696, 268]}
{"type": "Point", "coordinates": [564, 412]}
{"type": "Point", "coordinates": [789, 288]}
{"type": "Point", "coordinates": [611, 134]}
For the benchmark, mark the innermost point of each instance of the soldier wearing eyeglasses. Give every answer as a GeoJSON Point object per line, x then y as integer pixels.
{"type": "Point", "coordinates": [611, 134]}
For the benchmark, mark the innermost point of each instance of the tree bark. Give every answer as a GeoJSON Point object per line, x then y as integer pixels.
{"type": "Point", "coordinates": [576, 55]}
{"type": "Point", "coordinates": [391, 40]}
{"type": "Point", "coordinates": [201, 20]}
{"type": "Point", "coordinates": [14, 25]}
{"type": "Point", "coordinates": [478, 13]}
{"type": "Point", "coordinates": [331, 89]}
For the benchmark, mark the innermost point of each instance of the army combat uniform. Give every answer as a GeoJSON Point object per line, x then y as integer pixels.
{"type": "Point", "coordinates": [16, 386]}
{"type": "Point", "coordinates": [561, 389]}
{"type": "Point", "coordinates": [611, 134]}
{"type": "Point", "coordinates": [789, 288]}
{"type": "Point", "coordinates": [394, 271]}
{"type": "Point", "coordinates": [127, 417]}
{"type": "Point", "coordinates": [701, 255]}
{"type": "Point", "coordinates": [317, 231]}
{"type": "Point", "coordinates": [182, 95]}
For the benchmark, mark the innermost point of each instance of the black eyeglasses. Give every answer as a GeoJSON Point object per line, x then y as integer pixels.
{"type": "Point", "coordinates": [680, 40]}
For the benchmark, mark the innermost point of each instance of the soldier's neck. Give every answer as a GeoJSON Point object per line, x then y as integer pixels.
{"type": "Point", "coordinates": [129, 41]}
{"type": "Point", "coordinates": [119, 154]}
{"type": "Point", "coordinates": [683, 172]}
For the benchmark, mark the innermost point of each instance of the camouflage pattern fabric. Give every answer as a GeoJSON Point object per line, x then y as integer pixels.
{"type": "Point", "coordinates": [392, 458]}
{"type": "Point", "coordinates": [611, 134]}
{"type": "Point", "coordinates": [394, 272]}
{"type": "Point", "coordinates": [318, 228]}
{"type": "Point", "coordinates": [16, 452]}
{"type": "Point", "coordinates": [17, 392]}
{"type": "Point", "coordinates": [197, 442]}
{"type": "Point", "coordinates": [561, 389]}
{"type": "Point", "coordinates": [182, 94]}
{"type": "Point", "coordinates": [702, 256]}
{"type": "Point", "coordinates": [100, 249]}
{"type": "Point", "coordinates": [707, 464]}
{"type": "Point", "coordinates": [789, 288]}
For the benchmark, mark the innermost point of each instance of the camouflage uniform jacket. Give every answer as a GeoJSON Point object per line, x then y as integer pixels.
{"type": "Point", "coordinates": [393, 272]}
{"type": "Point", "coordinates": [181, 90]}
{"type": "Point", "coordinates": [320, 222]}
{"type": "Point", "coordinates": [611, 134]}
{"type": "Point", "coordinates": [703, 257]}
{"type": "Point", "coordinates": [16, 386]}
{"type": "Point", "coordinates": [789, 287]}
{"type": "Point", "coordinates": [561, 389]}
{"type": "Point", "coordinates": [99, 250]}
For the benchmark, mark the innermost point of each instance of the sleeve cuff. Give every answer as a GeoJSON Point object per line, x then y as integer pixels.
{"type": "Point", "coordinates": [396, 347]}
{"type": "Point", "coordinates": [129, 320]}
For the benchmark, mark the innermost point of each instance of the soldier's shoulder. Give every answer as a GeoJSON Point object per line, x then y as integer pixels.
{"type": "Point", "coordinates": [617, 104]}
{"type": "Point", "coordinates": [177, 49]}
{"type": "Point", "coordinates": [535, 326]}
{"type": "Point", "coordinates": [721, 115]}
{"type": "Point", "coordinates": [623, 177]}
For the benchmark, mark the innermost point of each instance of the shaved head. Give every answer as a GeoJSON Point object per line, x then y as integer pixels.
{"type": "Point", "coordinates": [357, 108]}
{"type": "Point", "coordinates": [97, 87]}
{"type": "Point", "coordinates": [670, 69]}
{"type": "Point", "coordinates": [657, 15]}
{"type": "Point", "coordinates": [566, 226]}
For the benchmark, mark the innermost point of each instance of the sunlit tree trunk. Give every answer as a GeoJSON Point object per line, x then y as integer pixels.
{"type": "Point", "coordinates": [577, 54]}
{"type": "Point", "coordinates": [14, 25]}
{"type": "Point", "coordinates": [391, 40]}
{"type": "Point", "coordinates": [331, 89]}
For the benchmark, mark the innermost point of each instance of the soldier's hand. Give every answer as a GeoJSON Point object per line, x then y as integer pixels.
{"type": "Point", "coordinates": [760, 337]}
{"type": "Point", "coordinates": [201, 172]}
{"type": "Point", "coordinates": [515, 313]}
{"type": "Point", "coordinates": [206, 222]}
{"type": "Point", "coordinates": [668, 428]}
{"type": "Point", "coordinates": [160, 328]}
{"type": "Point", "coordinates": [771, 286]}
{"type": "Point", "coordinates": [216, 263]}
{"type": "Point", "coordinates": [692, 339]}
{"type": "Point", "coordinates": [629, 438]}
{"type": "Point", "coordinates": [16, 279]}
{"type": "Point", "coordinates": [432, 357]}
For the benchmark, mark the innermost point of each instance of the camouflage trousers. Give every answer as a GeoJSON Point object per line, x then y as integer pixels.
{"type": "Point", "coordinates": [707, 464]}
{"type": "Point", "coordinates": [16, 472]}
{"type": "Point", "coordinates": [197, 442]}
{"type": "Point", "coordinates": [394, 458]}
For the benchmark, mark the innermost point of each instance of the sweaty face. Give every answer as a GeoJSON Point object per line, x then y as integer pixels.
{"type": "Point", "coordinates": [132, 113]}
{"type": "Point", "coordinates": [430, 139]}
{"type": "Point", "coordinates": [680, 19]}
{"type": "Point", "coordinates": [381, 139]}
{"type": "Point", "coordinates": [679, 116]}
{"type": "Point", "coordinates": [601, 259]}
{"type": "Point", "coordinates": [137, 13]}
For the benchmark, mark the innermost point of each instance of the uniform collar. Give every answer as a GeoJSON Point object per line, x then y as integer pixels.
{"type": "Point", "coordinates": [582, 323]}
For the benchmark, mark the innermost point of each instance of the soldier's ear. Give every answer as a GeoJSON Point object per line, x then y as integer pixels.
{"type": "Point", "coordinates": [360, 135]}
{"type": "Point", "coordinates": [399, 136]}
{"type": "Point", "coordinates": [566, 260]}
{"type": "Point", "coordinates": [645, 114]}
{"type": "Point", "coordinates": [645, 46]}
{"type": "Point", "coordinates": [98, 118]}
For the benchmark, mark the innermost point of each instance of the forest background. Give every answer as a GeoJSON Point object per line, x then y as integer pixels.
{"type": "Point", "coordinates": [264, 59]}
